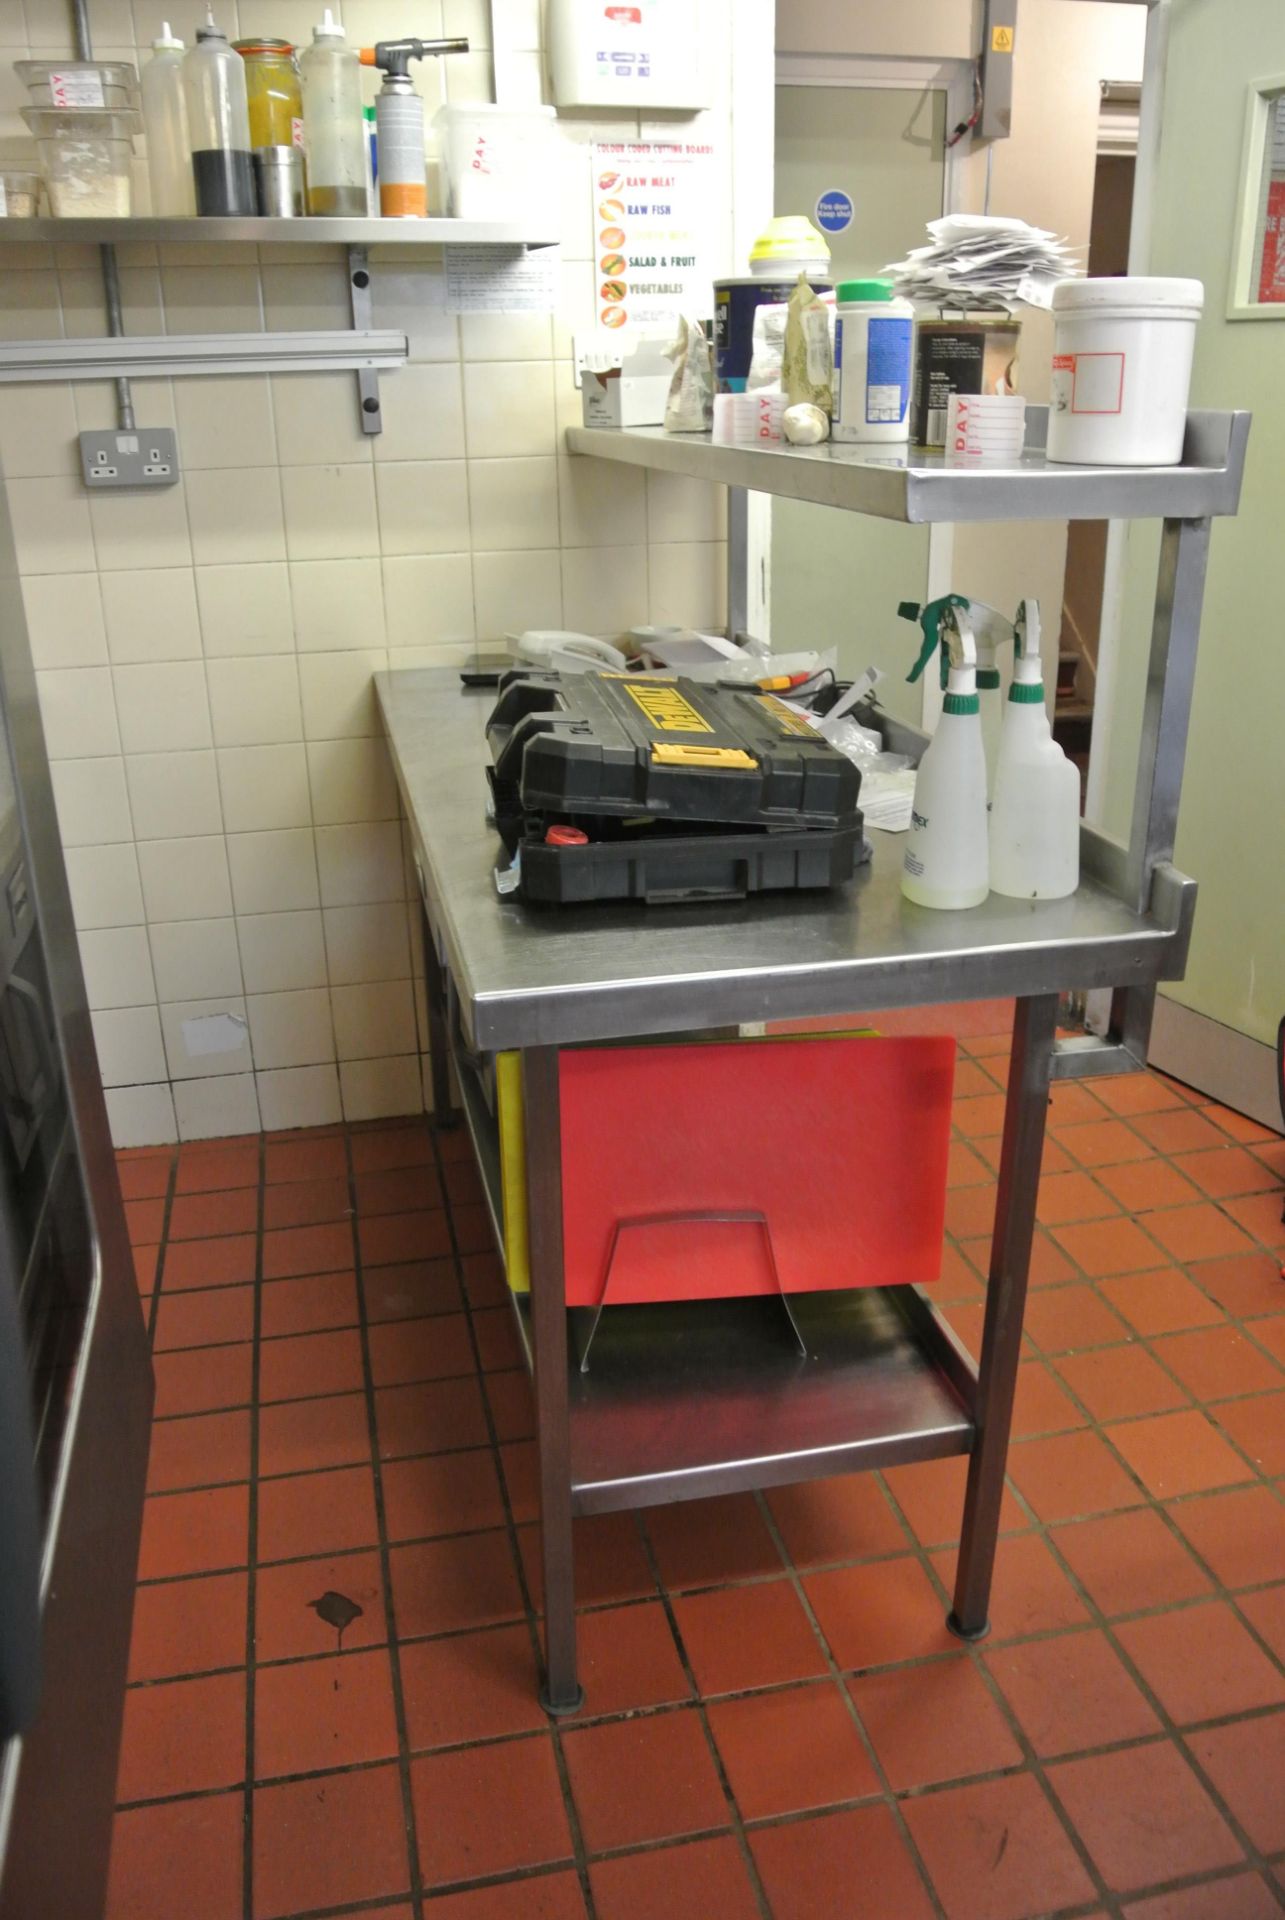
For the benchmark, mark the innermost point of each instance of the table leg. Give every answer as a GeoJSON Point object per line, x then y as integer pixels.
{"type": "Point", "coordinates": [562, 1693]}
{"type": "Point", "coordinates": [439, 1065]}
{"type": "Point", "coordinates": [1034, 1027]}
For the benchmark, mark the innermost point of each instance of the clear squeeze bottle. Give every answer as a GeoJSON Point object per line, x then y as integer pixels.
{"type": "Point", "coordinates": [169, 151]}
{"type": "Point", "coordinates": [946, 862]}
{"type": "Point", "coordinates": [218, 122]}
{"type": "Point", "coordinates": [1035, 814]}
{"type": "Point", "coordinates": [333, 130]}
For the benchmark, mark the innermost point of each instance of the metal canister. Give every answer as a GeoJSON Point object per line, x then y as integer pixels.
{"type": "Point", "coordinates": [272, 93]}
{"type": "Point", "coordinates": [959, 356]}
{"type": "Point", "coordinates": [736, 300]}
{"type": "Point", "coordinates": [278, 181]}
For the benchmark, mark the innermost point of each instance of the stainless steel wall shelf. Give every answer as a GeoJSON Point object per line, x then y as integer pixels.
{"type": "Point", "coordinates": [922, 487]}
{"type": "Point", "coordinates": [272, 232]}
{"type": "Point", "coordinates": [689, 1401]}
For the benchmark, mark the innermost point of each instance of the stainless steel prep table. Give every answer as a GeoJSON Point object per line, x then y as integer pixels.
{"type": "Point", "coordinates": [702, 1399]}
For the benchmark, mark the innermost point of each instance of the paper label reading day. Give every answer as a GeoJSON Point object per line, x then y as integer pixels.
{"type": "Point", "coordinates": [501, 279]}
{"type": "Point", "coordinates": [75, 88]}
{"type": "Point", "coordinates": [651, 221]}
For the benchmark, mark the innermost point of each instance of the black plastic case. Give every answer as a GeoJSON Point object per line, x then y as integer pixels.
{"type": "Point", "coordinates": [675, 790]}
{"type": "Point", "coordinates": [668, 869]}
{"type": "Point", "coordinates": [621, 744]}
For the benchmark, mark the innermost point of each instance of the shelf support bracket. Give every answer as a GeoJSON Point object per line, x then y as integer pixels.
{"type": "Point", "coordinates": [368, 403]}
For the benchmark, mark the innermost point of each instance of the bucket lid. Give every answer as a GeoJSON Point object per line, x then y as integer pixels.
{"type": "Point", "coordinates": [1128, 290]}
{"type": "Point", "coordinates": [863, 290]}
{"type": "Point", "coordinates": [791, 237]}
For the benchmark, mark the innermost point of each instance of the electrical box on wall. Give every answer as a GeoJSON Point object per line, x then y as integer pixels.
{"type": "Point", "coordinates": [644, 54]}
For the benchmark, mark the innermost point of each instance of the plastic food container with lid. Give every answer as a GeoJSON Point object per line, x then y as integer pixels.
{"type": "Point", "coordinates": [109, 84]}
{"type": "Point", "coordinates": [85, 156]}
{"type": "Point", "coordinates": [787, 247]}
{"type": "Point", "coordinates": [1122, 354]}
{"type": "Point", "coordinates": [19, 193]}
{"type": "Point", "coordinates": [498, 162]}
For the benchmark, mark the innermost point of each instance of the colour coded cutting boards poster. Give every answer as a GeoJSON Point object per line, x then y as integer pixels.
{"type": "Point", "coordinates": [651, 223]}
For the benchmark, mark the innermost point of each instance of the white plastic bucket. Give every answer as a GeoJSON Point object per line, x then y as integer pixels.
{"type": "Point", "coordinates": [499, 162]}
{"type": "Point", "coordinates": [1122, 355]}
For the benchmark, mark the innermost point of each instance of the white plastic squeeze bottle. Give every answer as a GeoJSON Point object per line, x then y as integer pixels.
{"type": "Point", "coordinates": [333, 130]}
{"type": "Point", "coordinates": [218, 121]}
{"type": "Point", "coordinates": [946, 863]}
{"type": "Point", "coordinates": [1035, 814]}
{"type": "Point", "coordinates": [169, 151]}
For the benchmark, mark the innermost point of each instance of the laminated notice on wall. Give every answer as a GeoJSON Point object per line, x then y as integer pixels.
{"type": "Point", "coordinates": [652, 203]}
{"type": "Point", "coordinates": [501, 279]}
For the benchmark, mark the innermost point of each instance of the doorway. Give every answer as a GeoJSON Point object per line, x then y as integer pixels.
{"type": "Point", "coordinates": [877, 132]}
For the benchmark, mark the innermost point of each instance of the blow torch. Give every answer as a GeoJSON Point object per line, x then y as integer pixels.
{"type": "Point", "coordinates": [399, 124]}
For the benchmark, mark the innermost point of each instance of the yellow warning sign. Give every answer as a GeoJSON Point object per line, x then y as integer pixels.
{"type": "Point", "coordinates": [1001, 39]}
{"type": "Point", "coordinates": [667, 710]}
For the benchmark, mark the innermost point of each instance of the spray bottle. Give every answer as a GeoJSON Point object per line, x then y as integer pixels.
{"type": "Point", "coordinates": [946, 863]}
{"type": "Point", "coordinates": [399, 120]}
{"type": "Point", "coordinates": [1035, 815]}
{"type": "Point", "coordinates": [990, 631]}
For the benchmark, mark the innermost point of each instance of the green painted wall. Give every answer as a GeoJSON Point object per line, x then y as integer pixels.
{"type": "Point", "coordinates": [1231, 831]}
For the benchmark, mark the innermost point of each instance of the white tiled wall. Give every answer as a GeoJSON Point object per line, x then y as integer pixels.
{"type": "Point", "coordinates": [205, 653]}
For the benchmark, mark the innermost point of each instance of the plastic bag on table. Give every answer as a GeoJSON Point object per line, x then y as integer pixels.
{"type": "Point", "coordinates": [690, 406]}
{"type": "Point", "coordinates": [807, 371]}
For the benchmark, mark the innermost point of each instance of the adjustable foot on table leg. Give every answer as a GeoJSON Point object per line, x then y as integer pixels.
{"type": "Point", "coordinates": [966, 1633]}
{"type": "Point", "coordinates": [561, 1710]}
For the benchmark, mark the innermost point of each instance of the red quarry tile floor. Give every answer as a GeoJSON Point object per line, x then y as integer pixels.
{"type": "Point", "coordinates": [332, 1707]}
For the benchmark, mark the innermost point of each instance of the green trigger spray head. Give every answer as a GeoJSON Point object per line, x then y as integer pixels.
{"type": "Point", "coordinates": [934, 619]}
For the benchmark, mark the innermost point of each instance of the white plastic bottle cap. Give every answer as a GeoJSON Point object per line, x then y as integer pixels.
{"type": "Point", "coordinates": [330, 28]}
{"type": "Point", "coordinates": [166, 39]}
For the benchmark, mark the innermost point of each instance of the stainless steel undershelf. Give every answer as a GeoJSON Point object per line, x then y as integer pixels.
{"type": "Point", "coordinates": [527, 977]}
{"type": "Point", "coordinates": [915, 486]}
{"type": "Point", "coordinates": [698, 1398]}
{"type": "Point", "coordinates": [695, 1398]}
{"type": "Point", "coordinates": [272, 232]}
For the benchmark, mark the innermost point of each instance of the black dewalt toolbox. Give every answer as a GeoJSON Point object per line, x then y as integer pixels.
{"type": "Point", "coordinates": [614, 786]}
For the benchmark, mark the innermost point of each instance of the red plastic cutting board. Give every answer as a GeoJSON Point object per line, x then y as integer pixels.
{"type": "Point", "coordinates": [841, 1143]}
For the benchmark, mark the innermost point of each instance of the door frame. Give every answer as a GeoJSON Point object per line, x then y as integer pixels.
{"type": "Point", "coordinates": [908, 75]}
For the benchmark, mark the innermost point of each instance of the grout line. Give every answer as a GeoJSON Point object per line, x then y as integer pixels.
{"type": "Point", "coordinates": [385, 1563]}
{"type": "Point", "coordinates": [697, 1700]}
{"type": "Point", "coordinates": [888, 1796]}
{"type": "Point", "coordinates": [154, 1305]}
{"type": "Point", "coordinates": [252, 1564]}
{"type": "Point", "coordinates": [511, 1530]}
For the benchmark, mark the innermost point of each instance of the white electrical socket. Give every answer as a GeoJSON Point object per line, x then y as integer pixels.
{"type": "Point", "coordinates": [143, 457]}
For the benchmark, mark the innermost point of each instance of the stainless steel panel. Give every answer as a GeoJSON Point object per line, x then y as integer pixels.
{"type": "Point", "coordinates": [57, 1786]}
{"type": "Point", "coordinates": [528, 977]}
{"type": "Point", "coordinates": [921, 487]}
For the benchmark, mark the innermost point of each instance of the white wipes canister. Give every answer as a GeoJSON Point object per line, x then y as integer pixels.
{"type": "Point", "coordinates": [1122, 355]}
{"type": "Point", "coordinates": [872, 347]}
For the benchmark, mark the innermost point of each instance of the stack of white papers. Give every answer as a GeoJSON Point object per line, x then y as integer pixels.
{"type": "Point", "coordinates": [984, 262]}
